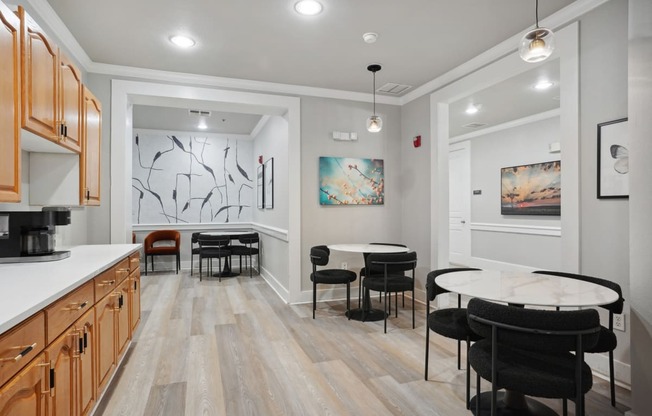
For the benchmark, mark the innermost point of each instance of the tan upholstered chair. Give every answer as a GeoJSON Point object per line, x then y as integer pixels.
{"type": "Point", "coordinates": [169, 244]}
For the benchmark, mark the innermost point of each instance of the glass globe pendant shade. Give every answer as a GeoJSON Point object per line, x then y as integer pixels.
{"type": "Point", "coordinates": [374, 124]}
{"type": "Point", "coordinates": [537, 45]}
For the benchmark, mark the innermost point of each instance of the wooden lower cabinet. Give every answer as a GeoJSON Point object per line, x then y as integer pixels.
{"type": "Point", "coordinates": [123, 331]}
{"type": "Point", "coordinates": [134, 312]}
{"type": "Point", "coordinates": [63, 354]}
{"type": "Point", "coordinates": [28, 392]}
{"type": "Point", "coordinates": [105, 319]}
{"type": "Point", "coordinates": [86, 392]}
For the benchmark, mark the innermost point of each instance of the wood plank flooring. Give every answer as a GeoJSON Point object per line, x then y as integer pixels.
{"type": "Point", "coordinates": [234, 348]}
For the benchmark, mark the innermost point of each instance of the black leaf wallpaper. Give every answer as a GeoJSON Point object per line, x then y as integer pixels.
{"type": "Point", "coordinates": [184, 178]}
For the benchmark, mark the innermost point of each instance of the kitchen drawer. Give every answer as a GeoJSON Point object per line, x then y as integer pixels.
{"type": "Point", "coordinates": [134, 262]}
{"type": "Point", "coordinates": [20, 344]}
{"type": "Point", "coordinates": [121, 270]}
{"type": "Point", "coordinates": [104, 284]}
{"type": "Point", "coordinates": [62, 313]}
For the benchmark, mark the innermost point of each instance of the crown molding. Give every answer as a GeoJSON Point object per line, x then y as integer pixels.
{"type": "Point", "coordinates": [555, 21]}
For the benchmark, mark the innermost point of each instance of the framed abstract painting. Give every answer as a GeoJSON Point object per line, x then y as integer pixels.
{"type": "Point", "coordinates": [351, 181]}
{"type": "Point", "coordinates": [531, 189]}
{"type": "Point", "coordinates": [613, 159]}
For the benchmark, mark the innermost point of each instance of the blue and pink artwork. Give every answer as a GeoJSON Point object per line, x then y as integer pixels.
{"type": "Point", "coordinates": [351, 181]}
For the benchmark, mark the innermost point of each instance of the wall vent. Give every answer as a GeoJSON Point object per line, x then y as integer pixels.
{"type": "Point", "coordinates": [474, 125]}
{"type": "Point", "coordinates": [394, 89]}
{"type": "Point", "coordinates": [199, 113]}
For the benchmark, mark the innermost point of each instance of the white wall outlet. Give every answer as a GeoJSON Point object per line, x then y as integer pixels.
{"type": "Point", "coordinates": [345, 265]}
{"type": "Point", "coordinates": [619, 322]}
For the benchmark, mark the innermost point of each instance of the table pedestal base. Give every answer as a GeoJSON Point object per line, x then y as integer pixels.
{"type": "Point", "coordinates": [527, 407]}
{"type": "Point", "coordinates": [226, 274]}
{"type": "Point", "coordinates": [370, 315]}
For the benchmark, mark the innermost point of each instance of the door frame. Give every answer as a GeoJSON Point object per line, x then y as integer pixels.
{"type": "Point", "coordinates": [464, 146]}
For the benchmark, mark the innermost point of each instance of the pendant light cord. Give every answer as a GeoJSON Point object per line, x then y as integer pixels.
{"type": "Point", "coordinates": [536, 12]}
{"type": "Point", "coordinates": [374, 90]}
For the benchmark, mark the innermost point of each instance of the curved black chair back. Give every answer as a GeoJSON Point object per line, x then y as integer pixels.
{"type": "Point", "coordinates": [213, 240]}
{"type": "Point", "coordinates": [194, 238]}
{"type": "Point", "coordinates": [250, 238]}
{"type": "Point", "coordinates": [392, 262]}
{"type": "Point", "coordinates": [319, 255]}
{"type": "Point", "coordinates": [615, 307]}
{"type": "Point", "coordinates": [534, 329]}
{"type": "Point", "coordinates": [433, 289]}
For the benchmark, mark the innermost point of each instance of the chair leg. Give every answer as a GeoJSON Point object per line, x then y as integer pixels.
{"type": "Point", "coordinates": [201, 260]}
{"type": "Point", "coordinates": [564, 406]}
{"type": "Point", "coordinates": [425, 377]}
{"type": "Point", "coordinates": [477, 393]}
{"type": "Point", "coordinates": [385, 314]}
{"type": "Point", "coordinates": [348, 299]}
{"type": "Point", "coordinates": [468, 376]}
{"type": "Point", "coordinates": [314, 299]}
{"type": "Point", "coordinates": [152, 257]}
{"type": "Point", "coordinates": [145, 264]}
{"type": "Point", "coordinates": [413, 326]}
{"type": "Point", "coordinates": [459, 355]}
{"type": "Point", "coordinates": [612, 384]}
{"type": "Point", "coordinates": [192, 257]}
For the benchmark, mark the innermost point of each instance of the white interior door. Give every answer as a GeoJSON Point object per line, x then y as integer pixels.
{"type": "Point", "coordinates": [459, 188]}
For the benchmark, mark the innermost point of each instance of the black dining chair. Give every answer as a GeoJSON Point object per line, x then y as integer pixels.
{"type": "Point", "coordinates": [194, 248]}
{"type": "Point", "coordinates": [248, 247]}
{"type": "Point", "coordinates": [213, 247]}
{"type": "Point", "coordinates": [363, 271]}
{"type": "Point", "coordinates": [532, 352]}
{"type": "Point", "coordinates": [449, 322]}
{"type": "Point", "coordinates": [319, 256]}
{"type": "Point", "coordinates": [387, 275]}
{"type": "Point", "coordinates": [607, 341]}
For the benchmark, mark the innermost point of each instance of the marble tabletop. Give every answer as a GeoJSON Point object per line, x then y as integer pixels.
{"type": "Point", "coordinates": [368, 248]}
{"type": "Point", "coordinates": [526, 288]}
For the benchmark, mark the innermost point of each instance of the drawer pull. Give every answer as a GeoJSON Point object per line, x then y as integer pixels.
{"type": "Point", "coordinates": [24, 352]}
{"type": "Point", "coordinates": [50, 374]}
{"type": "Point", "coordinates": [77, 306]}
{"type": "Point", "coordinates": [107, 283]}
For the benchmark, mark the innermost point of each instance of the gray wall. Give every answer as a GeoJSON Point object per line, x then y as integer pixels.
{"type": "Point", "coordinates": [347, 224]}
{"type": "Point", "coordinates": [640, 130]}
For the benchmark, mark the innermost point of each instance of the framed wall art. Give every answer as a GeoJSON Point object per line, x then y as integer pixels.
{"type": "Point", "coordinates": [613, 159]}
{"type": "Point", "coordinates": [269, 183]}
{"type": "Point", "coordinates": [531, 189]}
{"type": "Point", "coordinates": [260, 186]}
{"type": "Point", "coordinates": [351, 181]}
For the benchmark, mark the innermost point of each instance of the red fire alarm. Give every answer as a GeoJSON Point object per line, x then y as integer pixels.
{"type": "Point", "coordinates": [417, 141]}
{"type": "Point", "coordinates": [260, 159]}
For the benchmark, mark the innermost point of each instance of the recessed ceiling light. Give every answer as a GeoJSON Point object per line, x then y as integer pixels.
{"type": "Point", "coordinates": [472, 109]}
{"type": "Point", "coordinates": [370, 37]}
{"type": "Point", "coordinates": [308, 7]}
{"type": "Point", "coordinates": [543, 85]}
{"type": "Point", "coordinates": [182, 41]}
{"type": "Point", "coordinates": [202, 124]}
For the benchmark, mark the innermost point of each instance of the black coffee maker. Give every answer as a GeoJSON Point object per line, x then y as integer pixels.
{"type": "Point", "coordinates": [28, 236]}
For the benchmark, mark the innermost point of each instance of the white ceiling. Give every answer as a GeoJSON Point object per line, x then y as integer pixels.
{"type": "Point", "coordinates": [179, 119]}
{"type": "Point", "coordinates": [265, 40]}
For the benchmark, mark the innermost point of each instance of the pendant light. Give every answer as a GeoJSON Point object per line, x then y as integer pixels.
{"type": "Point", "coordinates": [537, 44]}
{"type": "Point", "coordinates": [374, 122]}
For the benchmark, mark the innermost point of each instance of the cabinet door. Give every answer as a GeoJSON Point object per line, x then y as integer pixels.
{"type": "Point", "coordinates": [86, 363]}
{"type": "Point", "coordinates": [91, 147]}
{"type": "Point", "coordinates": [134, 316]}
{"type": "Point", "coordinates": [39, 80]}
{"type": "Point", "coordinates": [70, 108]}
{"type": "Point", "coordinates": [123, 322]}
{"type": "Point", "coordinates": [10, 104]}
{"type": "Point", "coordinates": [62, 354]}
{"type": "Point", "coordinates": [105, 319]}
{"type": "Point", "coordinates": [27, 393]}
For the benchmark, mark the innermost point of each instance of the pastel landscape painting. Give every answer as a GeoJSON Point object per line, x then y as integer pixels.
{"type": "Point", "coordinates": [351, 181]}
{"type": "Point", "coordinates": [531, 189]}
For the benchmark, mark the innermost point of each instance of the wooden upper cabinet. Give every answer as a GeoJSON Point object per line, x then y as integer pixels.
{"type": "Point", "coordinates": [90, 157]}
{"type": "Point", "coordinates": [40, 78]}
{"type": "Point", "coordinates": [10, 104]}
{"type": "Point", "coordinates": [70, 107]}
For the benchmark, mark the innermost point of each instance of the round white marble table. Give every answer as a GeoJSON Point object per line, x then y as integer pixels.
{"type": "Point", "coordinates": [367, 313]}
{"type": "Point", "coordinates": [523, 288]}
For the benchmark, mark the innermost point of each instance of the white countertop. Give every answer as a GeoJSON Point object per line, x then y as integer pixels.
{"type": "Point", "coordinates": [26, 288]}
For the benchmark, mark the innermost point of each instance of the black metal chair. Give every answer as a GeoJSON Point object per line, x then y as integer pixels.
{"type": "Point", "coordinates": [607, 341]}
{"type": "Point", "coordinates": [213, 247]}
{"type": "Point", "coordinates": [246, 248]}
{"type": "Point", "coordinates": [533, 352]}
{"type": "Point", "coordinates": [387, 275]}
{"type": "Point", "coordinates": [319, 257]}
{"type": "Point", "coordinates": [194, 250]}
{"type": "Point", "coordinates": [448, 322]}
{"type": "Point", "coordinates": [363, 272]}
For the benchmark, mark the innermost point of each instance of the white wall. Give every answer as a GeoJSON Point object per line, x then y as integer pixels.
{"type": "Point", "coordinates": [330, 224]}
{"type": "Point", "coordinates": [640, 130]}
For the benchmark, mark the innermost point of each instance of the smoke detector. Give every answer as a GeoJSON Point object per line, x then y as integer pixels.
{"type": "Point", "coordinates": [370, 37]}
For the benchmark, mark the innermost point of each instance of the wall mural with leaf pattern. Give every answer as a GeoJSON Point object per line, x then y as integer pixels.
{"type": "Point", "coordinates": [190, 178]}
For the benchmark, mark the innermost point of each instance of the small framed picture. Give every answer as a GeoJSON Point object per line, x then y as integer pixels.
{"type": "Point", "coordinates": [613, 159]}
{"type": "Point", "coordinates": [269, 183]}
{"type": "Point", "coordinates": [260, 186]}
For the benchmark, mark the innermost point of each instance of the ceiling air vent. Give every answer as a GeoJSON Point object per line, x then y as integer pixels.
{"type": "Point", "coordinates": [474, 125]}
{"type": "Point", "coordinates": [200, 113]}
{"type": "Point", "coordinates": [394, 89]}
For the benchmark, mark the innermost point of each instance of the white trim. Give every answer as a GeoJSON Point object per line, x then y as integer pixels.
{"type": "Point", "coordinates": [517, 229]}
{"type": "Point", "coordinates": [275, 232]}
{"type": "Point", "coordinates": [193, 226]}
{"type": "Point", "coordinates": [281, 291]}
{"type": "Point", "coordinates": [599, 364]}
{"type": "Point", "coordinates": [508, 125]}
{"type": "Point", "coordinates": [259, 126]}
{"type": "Point", "coordinates": [230, 136]}
{"type": "Point", "coordinates": [489, 264]}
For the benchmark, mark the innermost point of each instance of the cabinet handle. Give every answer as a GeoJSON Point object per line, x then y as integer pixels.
{"type": "Point", "coordinates": [121, 301]}
{"type": "Point", "coordinates": [65, 130]}
{"type": "Point", "coordinates": [82, 350]}
{"type": "Point", "coordinates": [50, 375]}
{"type": "Point", "coordinates": [135, 285]}
{"type": "Point", "coordinates": [25, 350]}
{"type": "Point", "coordinates": [88, 194]}
{"type": "Point", "coordinates": [107, 283]}
{"type": "Point", "coordinates": [77, 306]}
{"type": "Point", "coordinates": [85, 341]}
{"type": "Point", "coordinates": [52, 382]}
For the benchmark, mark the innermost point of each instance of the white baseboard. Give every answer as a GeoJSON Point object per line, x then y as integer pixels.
{"type": "Point", "coordinates": [281, 291]}
{"type": "Point", "coordinates": [599, 364]}
{"type": "Point", "coordinates": [481, 263]}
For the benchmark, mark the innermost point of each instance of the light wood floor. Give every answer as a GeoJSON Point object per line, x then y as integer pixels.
{"type": "Point", "coordinates": [234, 348]}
